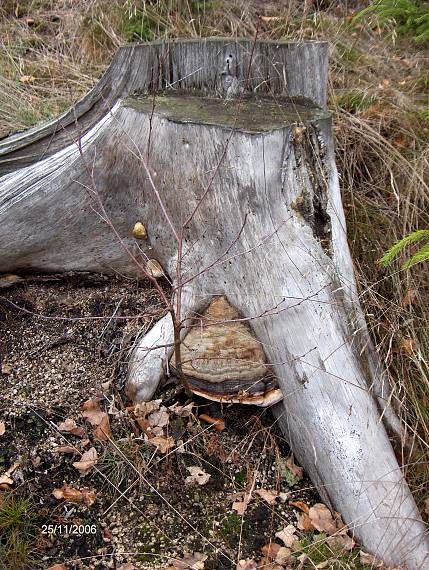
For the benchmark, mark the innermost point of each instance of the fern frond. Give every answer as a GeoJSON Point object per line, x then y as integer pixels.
{"type": "Point", "coordinates": [421, 255]}
{"type": "Point", "coordinates": [396, 248]}
{"type": "Point", "coordinates": [407, 16]}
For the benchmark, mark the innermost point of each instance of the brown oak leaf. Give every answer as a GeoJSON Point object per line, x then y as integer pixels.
{"type": "Point", "coordinates": [287, 535]}
{"type": "Point", "coordinates": [70, 426]}
{"type": "Point", "coordinates": [87, 461]}
{"type": "Point", "coordinates": [322, 519]}
{"type": "Point", "coordinates": [268, 495]}
{"type": "Point", "coordinates": [197, 476]}
{"type": "Point", "coordinates": [164, 444]}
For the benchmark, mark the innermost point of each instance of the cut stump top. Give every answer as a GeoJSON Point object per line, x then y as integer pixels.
{"type": "Point", "coordinates": [249, 114]}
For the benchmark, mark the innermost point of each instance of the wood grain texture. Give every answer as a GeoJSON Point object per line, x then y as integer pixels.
{"type": "Point", "coordinates": [272, 230]}
{"type": "Point", "coordinates": [149, 361]}
{"type": "Point", "coordinates": [194, 65]}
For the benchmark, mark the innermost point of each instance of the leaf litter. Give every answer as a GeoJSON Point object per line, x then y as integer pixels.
{"type": "Point", "coordinates": [226, 477]}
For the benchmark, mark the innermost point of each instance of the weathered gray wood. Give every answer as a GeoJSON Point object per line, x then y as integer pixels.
{"type": "Point", "coordinates": [275, 206]}
{"type": "Point", "coordinates": [194, 65]}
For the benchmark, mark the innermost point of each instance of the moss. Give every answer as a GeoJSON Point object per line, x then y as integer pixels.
{"type": "Point", "coordinates": [256, 115]}
{"type": "Point", "coordinates": [232, 527]}
{"type": "Point", "coordinates": [241, 476]}
{"type": "Point", "coordinates": [318, 552]}
{"type": "Point", "coordinates": [286, 473]}
{"type": "Point", "coordinates": [230, 524]}
{"type": "Point", "coordinates": [150, 539]}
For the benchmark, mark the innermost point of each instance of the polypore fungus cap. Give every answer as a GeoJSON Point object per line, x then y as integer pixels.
{"type": "Point", "coordinates": [223, 361]}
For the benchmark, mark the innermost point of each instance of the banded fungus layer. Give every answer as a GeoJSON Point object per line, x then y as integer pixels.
{"type": "Point", "coordinates": [222, 360]}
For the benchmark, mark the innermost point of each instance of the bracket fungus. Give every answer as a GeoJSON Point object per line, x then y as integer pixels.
{"type": "Point", "coordinates": [222, 360]}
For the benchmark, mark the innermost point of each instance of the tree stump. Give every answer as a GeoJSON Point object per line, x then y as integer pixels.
{"type": "Point", "coordinates": [222, 151]}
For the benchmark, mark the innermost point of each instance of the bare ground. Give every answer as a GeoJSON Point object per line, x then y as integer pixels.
{"type": "Point", "coordinates": [62, 347]}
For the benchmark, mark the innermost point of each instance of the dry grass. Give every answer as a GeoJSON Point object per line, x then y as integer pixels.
{"type": "Point", "coordinates": [51, 52]}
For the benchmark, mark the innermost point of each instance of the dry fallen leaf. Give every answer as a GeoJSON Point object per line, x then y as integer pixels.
{"type": "Point", "coordinates": [182, 411]}
{"type": "Point", "coordinates": [87, 461]}
{"type": "Point", "coordinates": [408, 346]}
{"type": "Point", "coordinates": [270, 550]}
{"type": "Point", "coordinates": [284, 496]}
{"type": "Point", "coordinates": [143, 409]}
{"type": "Point", "coordinates": [239, 507]}
{"type": "Point", "coordinates": [304, 522]}
{"type": "Point", "coordinates": [193, 561]}
{"type": "Point", "coordinates": [300, 505]}
{"type": "Point", "coordinates": [268, 495]}
{"type": "Point", "coordinates": [65, 449]}
{"type": "Point", "coordinates": [321, 518]}
{"type": "Point", "coordinates": [89, 497]}
{"type": "Point", "coordinates": [159, 418]}
{"type": "Point", "coordinates": [68, 494]}
{"type": "Point", "coordinates": [94, 416]}
{"type": "Point", "coordinates": [103, 432]}
{"type": "Point", "coordinates": [154, 268]}
{"type": "Point", "coordinates": [217, 423]}
{"type": "Point", "coordinates": [293, 468]}
{"type": "Point", "coordinates": [107, 534]}
{"type": "Point", "coordinates": [370, 559]}
{"type": "Point", "coordinates": [197, 476]}
{"type": "Point", "coordinates": [340, 524]}
{"type": "Point", "coordinates": [400, 141]}
{"type": "Point", "coordinates": [241, 500]}
{"type": "Point", "coordinates": [5, 480]}
{"type": "Point", "coordinates": [57, 567]}
{"type": "Point", "coordinates": [277, 553]}
{"type": "Point", "coordinates": [341, 542]}
{"type": "Point", "coordinates": [266, 564]}
{"type": "Point", "coordinates": [91, 404]}
{"type": "Point", "coordinates": [144, 425]}
{"type": "Point", "coordinates": [284, 556]}
{"type": "Point", "coordinates": [2, 428]}
{"type": "Point", "coordinates": [164, 444]}
{"type": "Point", "coordinates": [71, 495]}
{"type": "Point", "coordinates": [287, 535]}
{"type": "Point", "coordinates": [7, 281]}
{"type": "Point", "coordinates": [97, 418]}
{"type": "Point", "coordinates": [105, 386]}
{"type": "Point", "coordinates": [247, 564]}
{"type": "Point", "coordinates": [70, 426]}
